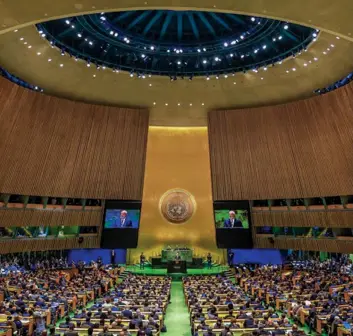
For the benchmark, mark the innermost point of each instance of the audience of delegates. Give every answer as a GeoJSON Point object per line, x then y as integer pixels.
{"type": "Point", "coordinates": [34, 299]}
{"type": "Point", "coordinates": [25, 261]}
{"type": "Point", "coordinates": [313, 292]}
{"type": "Point", "coordinates": [219, 307]}
{"type": "Point", "coordinates": [137, 305]}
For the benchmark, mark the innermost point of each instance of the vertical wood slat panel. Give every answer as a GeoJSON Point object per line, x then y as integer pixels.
{"type": "Point", "coordinates": [56, 147]}
{"type": "Point", "coordinates": [300, 149]}
{"type": "Point", "coordinates": [32, 217]}
{"type": "Point", "coordinates": [327, 245]}
{"type": "Point", "coordinates": [24, 245]}
{"type": "Point", "coordinates": [325, 219]}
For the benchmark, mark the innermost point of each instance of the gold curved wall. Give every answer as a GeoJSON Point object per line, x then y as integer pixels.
{"type": "Point", "coordinates": [177, 158]}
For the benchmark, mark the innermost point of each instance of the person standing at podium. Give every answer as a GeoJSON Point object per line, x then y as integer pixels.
{"type": "Point", "coordinates": [142, 261]}
{"type": "Point", "coordinates": [209, 260]}
{"type": "Point", "coordinates": [177, 258]}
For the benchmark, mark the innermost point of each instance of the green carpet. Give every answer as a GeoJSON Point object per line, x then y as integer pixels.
{"type": "Point", "coordinates": [177, 318]}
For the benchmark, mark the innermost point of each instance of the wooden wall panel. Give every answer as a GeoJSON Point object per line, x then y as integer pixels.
{"type": "Point", "coordinates": [327, 219]}
{"type": "Point", "coordinates": [56, 147]}
{"type": "Point", "coordinates": [32, 217]}
{"type": "Point", "coordinates": [305, 244]}
{"type": "Point", "coordinates": [301, 149]}
{"type": "Point", "coordinates": [25, 245]}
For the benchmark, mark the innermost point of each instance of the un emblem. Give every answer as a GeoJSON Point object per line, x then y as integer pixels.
{"type": "Point", "coordinates": [177, 206]}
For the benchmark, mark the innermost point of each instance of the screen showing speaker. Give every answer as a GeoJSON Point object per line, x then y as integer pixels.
{"type": "Point", "coordinates": [121, 224]}
{"type": "Point", "coordinates": [122, 219]}
{"type": "Point", "coordinates": [233, 224]}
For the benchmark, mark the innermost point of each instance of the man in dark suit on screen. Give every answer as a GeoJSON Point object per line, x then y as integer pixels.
{"type": "Point", "coordinates": [232, 221]}
{"type": "Point", "coordinates": [123, 221]}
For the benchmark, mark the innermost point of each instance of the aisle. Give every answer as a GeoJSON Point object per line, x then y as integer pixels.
{"type": "Point", "coordinates": [177, 316]}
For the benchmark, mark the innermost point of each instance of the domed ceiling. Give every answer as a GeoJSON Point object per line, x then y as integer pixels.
{"type": "Point", "coordinates": [78, 56]}
{"type": "Point", "coordinates": [177, 43]}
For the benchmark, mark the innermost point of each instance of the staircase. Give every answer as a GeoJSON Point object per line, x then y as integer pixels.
{"type": "Point", "coordinates": [230, 274]}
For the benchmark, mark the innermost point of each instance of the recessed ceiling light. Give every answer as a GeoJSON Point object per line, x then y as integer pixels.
{"type": "Point", "coordinates": [21, 39]}
{"type": "Point", "coordinates": [332, 45]}
{"type": "Point", "coordinates": [262, 78]}
{"type": "Point", "coordinates": [25, 43]}
{"type": "Point", "coordinates": [305, 64]}
{"type": "Point", "coordinates": [29, 47]}
{"type": "Point", "coordinates": [337, 37]}
{"type": "Point", "coordinates": [166, 104]}
{"type": "Point", "coordinates": [190, 104]}
{"type": "Point", "coordinates": [234, 83]}
{"type": "Point", "coordinates": [49, 59]}
{"type": "Point", "coordinates": [315, 58]}
{"type": "Point", "coordinates": [253, 19]}
{"type": "Point", "coordinates": [154, 103]}
{"type": "Point", "coordinates": [203, 104]}
{"type": "Point", "coordinates": [285, 27]}
{"type": "Point", "coordinates": [61, 65]}
{"type": "Point", "coordinates": [150, 84]}
{"type": "Point", "coordinates": [39, 53]}
{"type": "Point", "coordinates": [178, 104]}
{"type": "Point", "coordinates": [94, 76]}
{"type": "Point", "coordinates": [294, 69]}
{"type": "Point", "coordinates": [16, 30]}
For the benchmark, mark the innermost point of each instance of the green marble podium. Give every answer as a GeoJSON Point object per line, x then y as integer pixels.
{"type": "Point", "coordinates": [169, 254]}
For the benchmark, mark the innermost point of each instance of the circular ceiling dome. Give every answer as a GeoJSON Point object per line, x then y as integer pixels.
{"type": "Point", "coordinates": [177, 43]}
